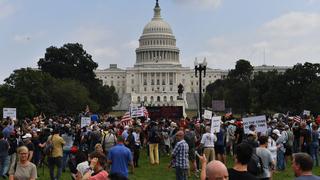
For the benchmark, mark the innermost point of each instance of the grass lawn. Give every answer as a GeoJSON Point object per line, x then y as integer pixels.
{"type": "Point", "coordinates": [145, 171]}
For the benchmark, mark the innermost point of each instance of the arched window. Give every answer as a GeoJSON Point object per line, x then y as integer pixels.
{"type": "Point", "coordinates": [165, 98]}
{"type": "Point", "coordinates": [171, 98]}
{"type": "Point", "coordinates": [145, 99]}
{"type": "Point", "coordinates": [138, 99]}
{"type": "Point", "coordinates": [158, 98]}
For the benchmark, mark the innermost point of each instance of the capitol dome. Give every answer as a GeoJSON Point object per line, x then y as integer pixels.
{"type": "Point", "coordinates": [157, 26]}
{"type": "Point", "coordinates": [157, 44]}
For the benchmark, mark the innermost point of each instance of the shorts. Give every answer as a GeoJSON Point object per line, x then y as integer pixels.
{"type": "Point", "coordinates": [192, 154]}
{"type": "Point", "coordinates": [220, 149]}
{"type": "Point", "coordinates": [288, 151]}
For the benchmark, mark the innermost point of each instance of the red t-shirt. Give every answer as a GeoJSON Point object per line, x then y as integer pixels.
{"type": "Point", "coordinates": [102, 175]}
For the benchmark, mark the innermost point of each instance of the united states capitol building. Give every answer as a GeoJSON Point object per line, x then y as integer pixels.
{"type": "Point", "coordinates": [157, 72]}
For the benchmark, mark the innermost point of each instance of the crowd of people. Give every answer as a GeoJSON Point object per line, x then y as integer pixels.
{"type": "Point", "coordinates": [110, 149]}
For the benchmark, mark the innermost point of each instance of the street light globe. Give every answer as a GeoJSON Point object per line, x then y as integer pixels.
{"type": "Point", "coordinates": [204, 62]}
{"type": "Point", "coordinates": [196, 62]}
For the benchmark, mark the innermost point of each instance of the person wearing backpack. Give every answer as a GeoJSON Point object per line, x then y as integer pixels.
{"type": "Point", "coordinates": [108, 140]}
{"type": "Point", "coordinates": [243, 153]}
{"type": "Point", "coordinates": [55, 157]}
{"type": "Point", "coordinates": [266, 158]}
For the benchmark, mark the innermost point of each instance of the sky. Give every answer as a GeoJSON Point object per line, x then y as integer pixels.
{"type": "Point", "coordinates": [272, 32]}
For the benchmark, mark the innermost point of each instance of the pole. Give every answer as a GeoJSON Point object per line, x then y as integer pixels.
{"type": "Point", "coordinates": [200, 93]}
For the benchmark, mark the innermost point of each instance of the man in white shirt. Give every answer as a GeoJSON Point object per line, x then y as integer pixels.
{"type": "Point", "coordinates": [207, 142]}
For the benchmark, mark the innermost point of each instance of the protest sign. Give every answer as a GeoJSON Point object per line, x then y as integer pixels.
{"type": "Point", "coordinates": [306, 112]}
{"type": "Point", "coordinates": [10, 112]}
{"type": "Point", "coordinates": [85, 121]}
{"type": "Point", "coordinates": [207, 114]}
{"type": "Point", "coordinates": [259, 121]}
{"type": "Point", "coordinates": [215, 124]}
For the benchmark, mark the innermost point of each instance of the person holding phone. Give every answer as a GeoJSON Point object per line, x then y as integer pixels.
{"type": "Point", "coordinates": [96, 170]}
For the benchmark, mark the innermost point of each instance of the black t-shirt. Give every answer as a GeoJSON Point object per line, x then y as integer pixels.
{"type": "Point", "coordinates": [236, 175]}
{"type": "Point", "coordinates": [30, 146]}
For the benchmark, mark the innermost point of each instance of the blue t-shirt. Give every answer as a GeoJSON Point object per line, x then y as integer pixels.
{"type": "Point", "coordinates": [312, 177]}
{"type": "Point", "coordinates": [120, 157]}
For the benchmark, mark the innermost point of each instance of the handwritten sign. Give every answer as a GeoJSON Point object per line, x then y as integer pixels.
{"type": "Point", "coordinates": [10, 112]}
{"type": "Point", "coordinates": [207, 114]}
{"type": "Point", "coordinates": [215, 124]}
{"type": "Point", "coordinates": [259, 121]}
{"type": "Point", "coordinates": [85, 121]}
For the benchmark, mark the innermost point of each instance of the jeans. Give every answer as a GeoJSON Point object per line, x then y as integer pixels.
{"type": "Point", "coordinates": [181, 174]}
{"type": "Point", "coordinates": [4, 164]}
{"type": "Point", "coordinates": [66, 155]}
{"type": "Point", "coordinates": [280, 160]}
{"type": "Point", "coordinates": [314, 153]}
{"type": "Point", "coordinates": [52, 161]}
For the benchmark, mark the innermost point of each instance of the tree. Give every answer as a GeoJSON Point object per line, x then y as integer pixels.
{"type": "Point", "coordinates": [71, 61]}
{"type": "Point", "coordinates": [242, 71]}
{"type": "Point", "coordinates": [29, 91]}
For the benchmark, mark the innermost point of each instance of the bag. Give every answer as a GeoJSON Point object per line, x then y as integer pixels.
{"type": "Point", "coordinates": [48, 148]}
{"type": "Point", "coordinates": [255, 165]}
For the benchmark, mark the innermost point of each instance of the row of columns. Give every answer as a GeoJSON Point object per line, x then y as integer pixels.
{"type": "Point", "coordinates": [157, 55]}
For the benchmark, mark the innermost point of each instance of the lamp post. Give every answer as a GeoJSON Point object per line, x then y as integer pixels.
{"type": "Point", "coordinates": [199, 67]}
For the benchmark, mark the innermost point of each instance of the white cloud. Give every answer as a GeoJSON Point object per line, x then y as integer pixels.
{"type": "Point", "coordinates": [293, 24]}
{"type": "Point", "coordinates": [6, 9]}
{"type": "Point", "coordinates": [201, 3]}
{"type": "Point", "coordinates": [131, 45]}
{"type": "Point", "coordinates": [92, 36]}
{"type": "Point", "coordinates": [289, 39]}
{"type": "Point", "coordinates": [105, 52]}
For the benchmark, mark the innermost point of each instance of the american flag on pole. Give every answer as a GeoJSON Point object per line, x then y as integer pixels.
{"type": "Point", "coordinates": [297, 119]}
{"type": "Point", "coordinates": [126, 119]}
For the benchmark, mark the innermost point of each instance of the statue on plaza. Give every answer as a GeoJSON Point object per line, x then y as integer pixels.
{"type": "Point", "coordinates": [180, 90]}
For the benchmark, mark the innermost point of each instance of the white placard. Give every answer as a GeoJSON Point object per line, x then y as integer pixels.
{"type": "Point", "coordinates": [10, 112]}
{"type": "Point", "coordinates": [259, 121]}
{"type": "Point", "coordinates": [85, 121]}
{"type": "Point", "coordinates": [215, 124]}
{"type": "Point", "coordinates": [306, 112]}
{"type": "Point", "coordinates": [136, 112]}
{"type": "Point", "coordinates": [207, 114]}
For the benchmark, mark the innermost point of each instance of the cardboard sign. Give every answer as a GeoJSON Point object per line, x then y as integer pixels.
{"type": "Point", "coordinates": [215, 124]}
{"type": "Point", "coordinates": [85, 121]}
{"type": "Point", "coordinates": [207, 114]}
{"type": "Point", "coordinates": [259, 121]}
{"type": "Point", "coordinates": [10, 112]}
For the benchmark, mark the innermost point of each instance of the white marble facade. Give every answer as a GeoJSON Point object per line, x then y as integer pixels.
{"type": "Point", "coordinates": [157, 72]}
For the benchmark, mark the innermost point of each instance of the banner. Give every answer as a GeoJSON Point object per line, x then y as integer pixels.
{"type": "Point", "coordinates": [259, 121]}
{"type": "Point", "coordinates": [215, 124]}
{"type": "Point", "coordinates": [10, 112]}
{"type": "Point", "coordinates": [85, 121]}
{"type": "Point", "coordinates": [207, 114]}
{"type": "Point", "coordinates": [218, 105]}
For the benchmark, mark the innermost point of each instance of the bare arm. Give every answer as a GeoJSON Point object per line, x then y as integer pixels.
{"type": "Point", "coordinates": [203, 161]}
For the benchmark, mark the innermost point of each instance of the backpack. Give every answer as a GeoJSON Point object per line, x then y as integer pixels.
{"type": "Point", "coordinates": [255, 165]}
{"type": "Point", "coordinates": [48, 148]}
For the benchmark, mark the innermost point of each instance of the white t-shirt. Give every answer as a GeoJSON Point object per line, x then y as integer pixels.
{"type": "Point", "coordinates": [208, 140]}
